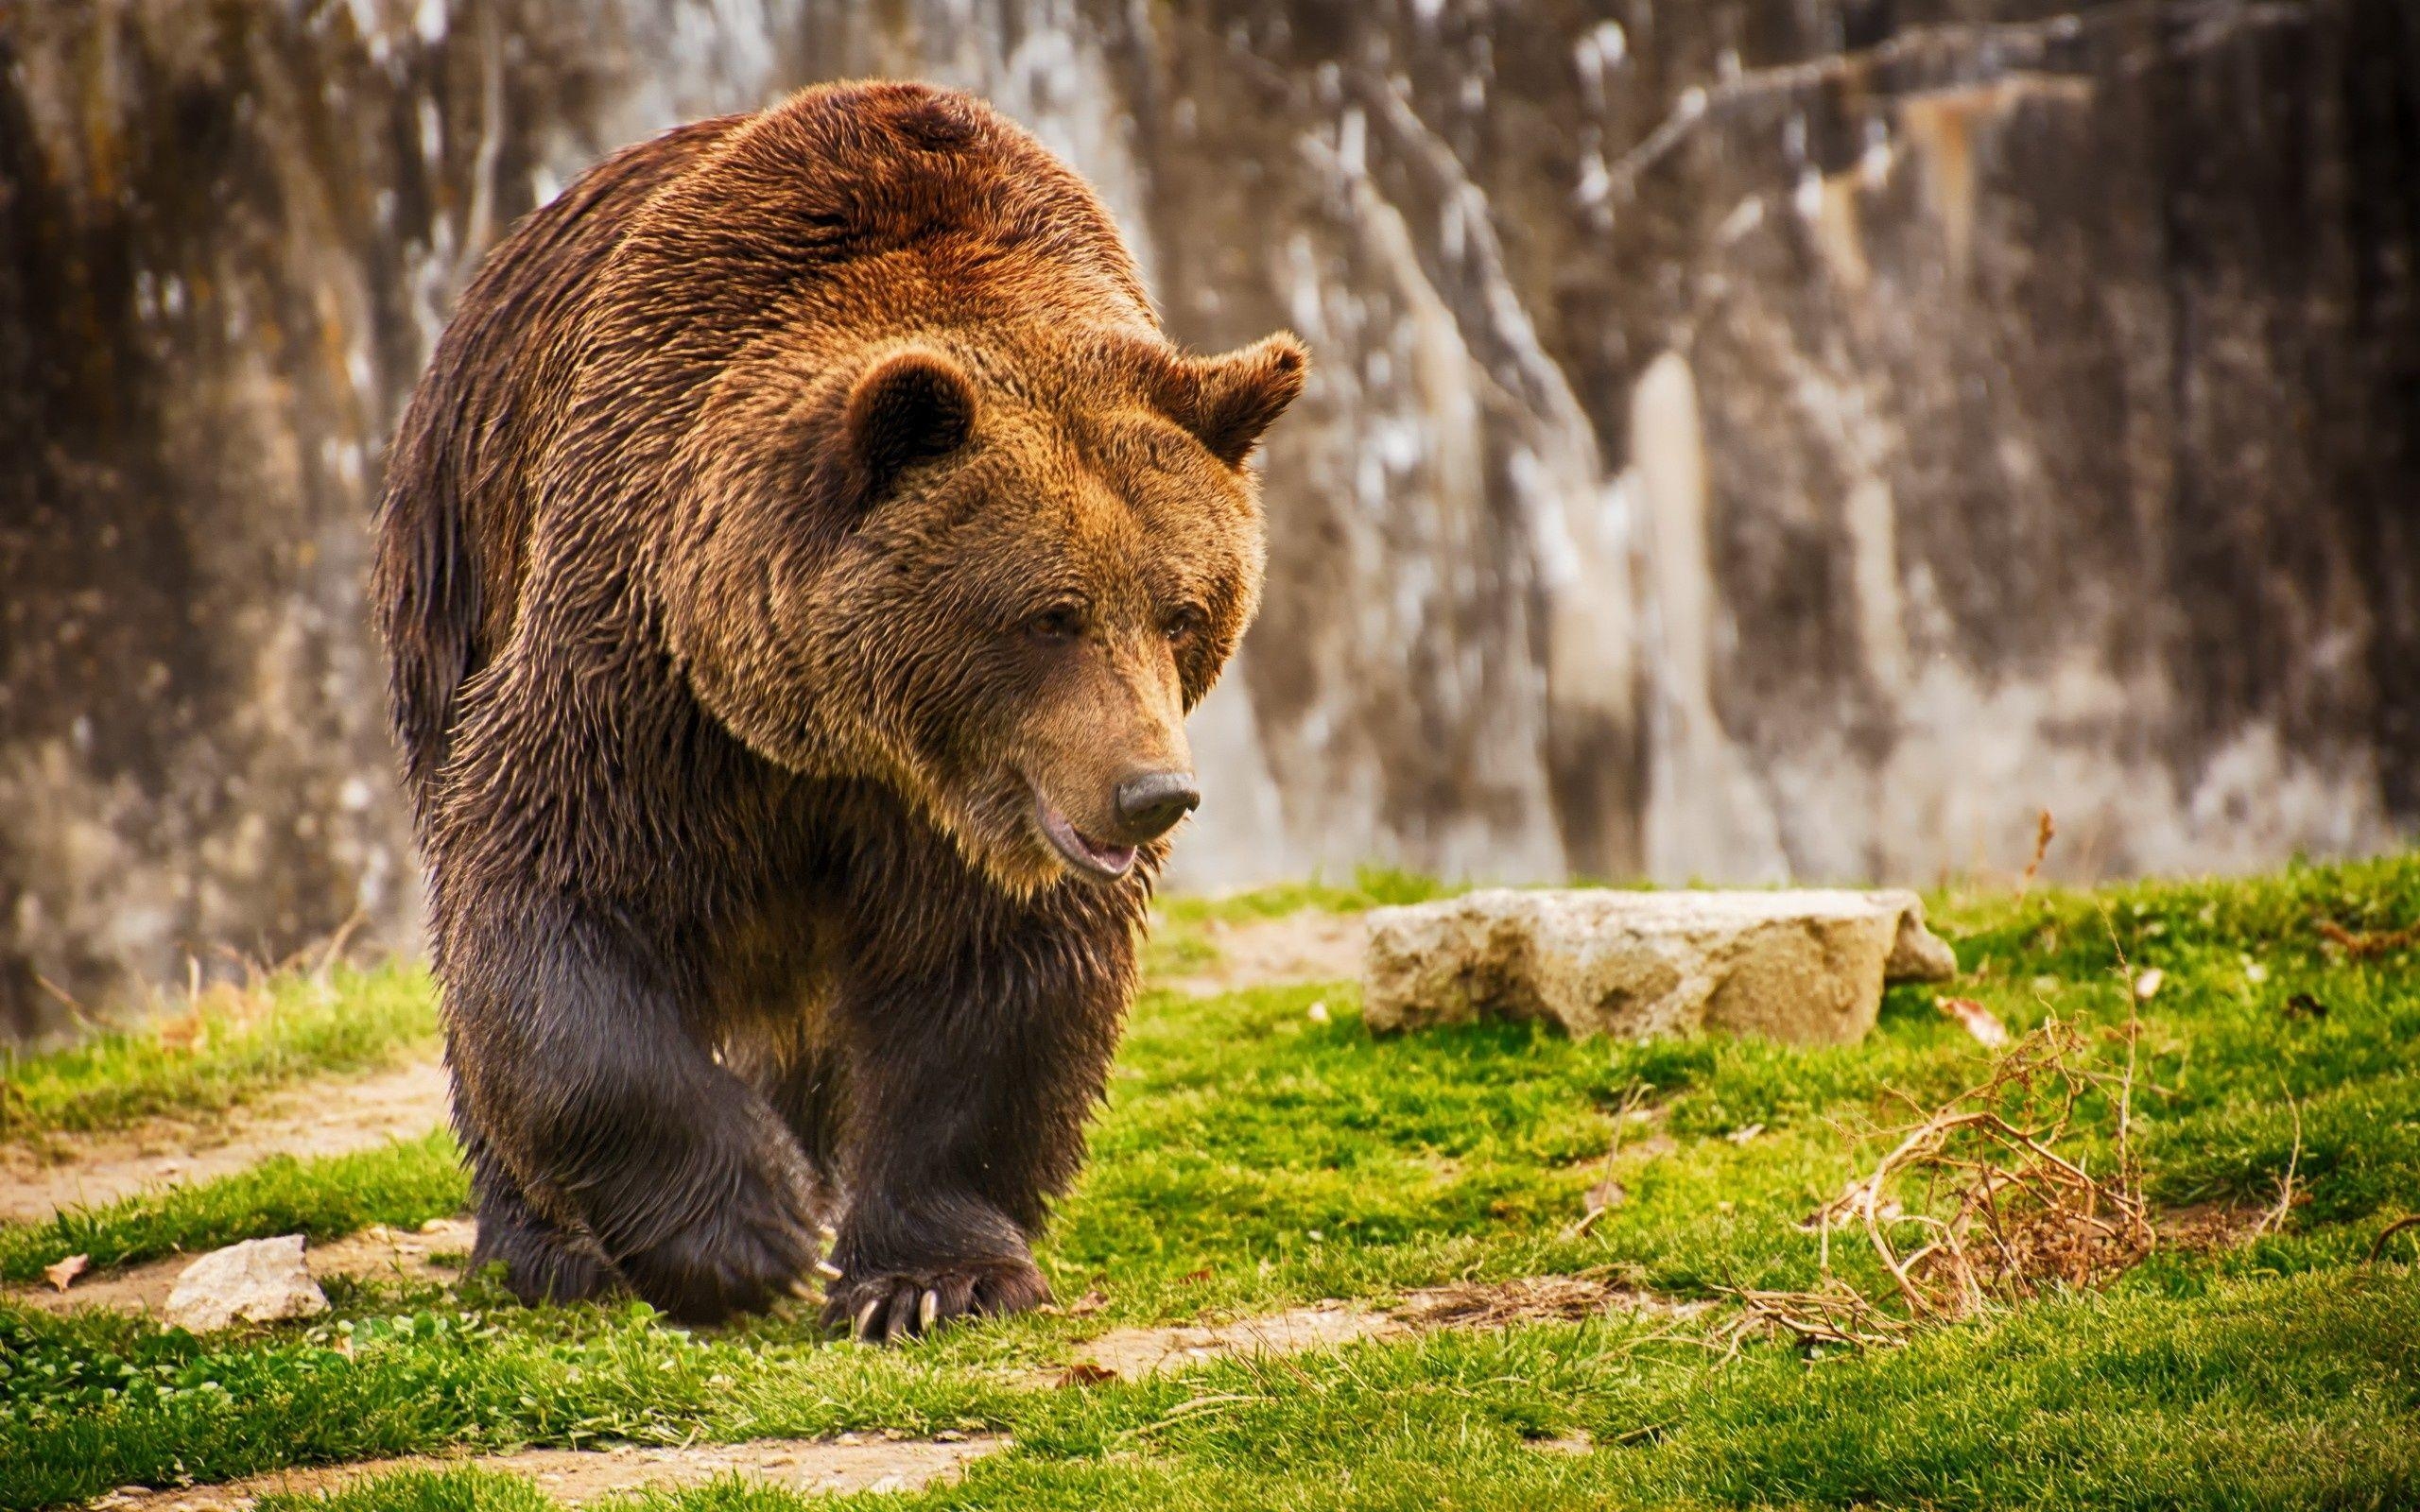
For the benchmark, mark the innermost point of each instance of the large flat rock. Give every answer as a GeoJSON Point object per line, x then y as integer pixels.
{"type": "Point", "coordinates": [1804, 966]}
{"type": "Point", "coordinates": [260, 1281]}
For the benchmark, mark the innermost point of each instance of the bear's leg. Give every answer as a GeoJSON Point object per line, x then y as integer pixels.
{"type": "Point", "coordinates": [541, 1262]}
{"type": "Point", "coordinates": [583, 1067]}
{"type": "Point", "coordinates": [808, 1090]}
{"type": "Point", "coordinates": [966, 1114]}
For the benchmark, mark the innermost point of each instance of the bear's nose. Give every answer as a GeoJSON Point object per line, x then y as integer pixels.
{"type": "Point", "coordinates": [1151, 804]}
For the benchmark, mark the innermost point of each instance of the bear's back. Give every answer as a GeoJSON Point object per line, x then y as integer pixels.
{"type": "Point", "coordinates": [453, 525]}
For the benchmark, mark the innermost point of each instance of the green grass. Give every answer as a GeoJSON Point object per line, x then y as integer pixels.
{"type": "Point", "coordinates": [1252, 1154]}
{"type": "Point", "coordinates": [2267, 1392]}
{"type": "Point", "coordinates": [230, 1044]}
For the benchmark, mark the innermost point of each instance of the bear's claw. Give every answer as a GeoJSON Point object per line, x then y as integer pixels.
{"type": "Point", "coordinates": [887, 1308]}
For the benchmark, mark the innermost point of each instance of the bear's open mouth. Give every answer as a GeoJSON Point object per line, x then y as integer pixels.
{"type": "Point", "coordinates": [1085, 855]}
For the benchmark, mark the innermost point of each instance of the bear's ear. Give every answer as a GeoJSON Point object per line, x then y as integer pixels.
{"type": "Point", "coordinates": [911, 406]}
{"type": "Point", "coordinates": [1229, 401]}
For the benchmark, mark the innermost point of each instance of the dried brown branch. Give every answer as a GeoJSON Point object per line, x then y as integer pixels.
{"type": "Point", "coordinates": [2377, 1246]}
{"type": "Point", "coordinates": [2364, 944]}
{"type": "Point", "coordinates": [2002, 1209]}
{"type": "Point", "coordinates": [1606, 1184]}
{"type": "Point", "coordinates": [1836, 1315]}
{"type": "Point", "coordinates": [2275, 1219]}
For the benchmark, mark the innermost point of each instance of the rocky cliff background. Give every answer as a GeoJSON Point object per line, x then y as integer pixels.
{"type": "Point", "coordinates": [1751, 438]}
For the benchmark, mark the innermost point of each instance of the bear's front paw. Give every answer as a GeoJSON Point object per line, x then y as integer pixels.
{"type": "Point", "coordinates": [738, 1259]}
{"type": "Point", "coordinates": [888, 1306]}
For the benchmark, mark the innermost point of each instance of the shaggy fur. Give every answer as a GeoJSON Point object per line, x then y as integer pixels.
{"type": "Point", "coordinates": [802, 515]}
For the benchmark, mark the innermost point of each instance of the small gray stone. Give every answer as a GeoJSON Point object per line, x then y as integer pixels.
{"type": "Point", "coordinates": [1806, 966]}
{"type": "Point", "coordinates": [260, 1281]}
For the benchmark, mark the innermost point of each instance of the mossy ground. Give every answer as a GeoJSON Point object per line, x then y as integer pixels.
{"type": "Point", "coordinates": [1255, 1155]}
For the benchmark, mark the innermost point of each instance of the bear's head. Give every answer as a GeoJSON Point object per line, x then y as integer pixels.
{"type": "Point", "coordinates": [992, 572]}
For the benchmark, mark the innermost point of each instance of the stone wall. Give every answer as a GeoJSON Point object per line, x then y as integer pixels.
{"type": "Point", "coordinates": [1751, 439]}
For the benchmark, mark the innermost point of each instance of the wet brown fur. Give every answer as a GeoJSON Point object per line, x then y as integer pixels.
{"type": "Point", "coordinates": [791, 507]}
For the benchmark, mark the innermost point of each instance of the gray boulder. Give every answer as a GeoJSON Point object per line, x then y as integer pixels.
{"type": "Point", "coordinates": [1804, 966]}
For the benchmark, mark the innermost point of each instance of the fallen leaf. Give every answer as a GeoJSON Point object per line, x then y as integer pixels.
{"type": "Point", "coordinates": [2147, 982]}
{"type": "Point", "coordinates": [1975, 1019]}
{"type": "Point", "coordinates": [1605, 1194]}
{"type": "Point", "coordinates": [1084, 1373]}
{"type": "Point", "coordinates": [1742, 1136]}
{"type": "Point", "coordinates": [1193, 1276]}
{"type": "Point", "coordinates": [1091, 1302]}
{"type": "Point", "coordinates": [64, 1274]}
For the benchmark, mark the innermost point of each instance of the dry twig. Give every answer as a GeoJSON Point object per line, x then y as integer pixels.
{"type": "Point", "coordinates": [2377, 1246]}
{"type": "Point", "coordinates": [1607, 1185]}
{"type": "Point", "coordinates": [1836, 1313]}
{"type": "Point", "coordinates": [2362, 944]}
{"type": "Point", "coordinates": [2007, 1211]}
{"type": "Point", "coordinates": [2275, 1219]}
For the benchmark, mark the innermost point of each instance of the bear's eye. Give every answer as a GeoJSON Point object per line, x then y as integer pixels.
{"type": "Point", "coordinates": [1186, 623]}
{"type": "Point", "coordinates": [1059, 622]}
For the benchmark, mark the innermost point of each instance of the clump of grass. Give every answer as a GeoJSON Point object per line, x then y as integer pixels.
{"type": "Point", "coordinates": [458, 1489]}
{"type": "Point", "coordinates": [229, 1042]}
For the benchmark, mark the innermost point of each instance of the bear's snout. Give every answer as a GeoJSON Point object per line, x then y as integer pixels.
{"type": "Point", "coordinates": [1150, 803]}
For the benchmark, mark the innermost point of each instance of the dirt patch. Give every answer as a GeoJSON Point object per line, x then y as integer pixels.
{"type": "Point", "coordinates": [1574, 1442]}
{"type": "Point", "coordinates": [320, 1117]}
{"type": "Point", "coordinates": [1310, 945]}
{"type": "Point", "coordinates": [1131, 1353]}
{"type": "Point", "coordinates": [1638, 1149]}
{"type": "Point", "coordinates": [377, 1253]}
{"type": "Point", "coordinates": [2207, 1226]}
{"type": "Point", "coordinates": [1136, 1352]}
{"type": "Point", "coordinates": [573, 1476]}
{"type": "Point", "coordinates": [1531, 1300]}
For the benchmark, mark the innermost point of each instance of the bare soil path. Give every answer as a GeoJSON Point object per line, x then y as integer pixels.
{"type": "Point", "coordinates": [313, 1119]}
{"type": "Point", "coordinates": [1310, 945]}
{"type": "Point", "coordinates": [1134, 1352]}
{"type": "Point", "coordinates": [814, 1466]}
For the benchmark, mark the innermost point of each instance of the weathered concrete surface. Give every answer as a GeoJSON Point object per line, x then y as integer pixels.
{"type": "Point", "coordinates": [1803, 967]}
{"type": "Point", "coordinates": [260, 1281]}
{"type": "Point", "coordinates": [1750, 439]}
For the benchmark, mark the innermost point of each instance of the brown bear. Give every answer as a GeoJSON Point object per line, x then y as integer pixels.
{"type": "Point", "coordinates": [795, 566]}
